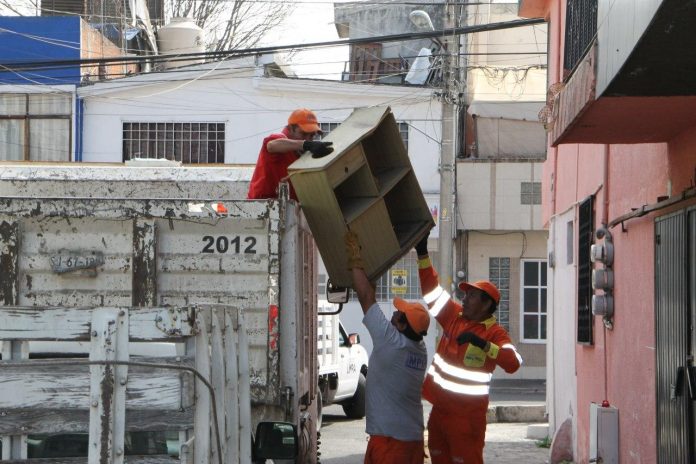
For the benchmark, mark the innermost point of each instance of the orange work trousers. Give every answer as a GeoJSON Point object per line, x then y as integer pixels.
{"type": "Point", "coordinates": [456, 439]}
{"type": "Point", "coordinates": [388, 450]}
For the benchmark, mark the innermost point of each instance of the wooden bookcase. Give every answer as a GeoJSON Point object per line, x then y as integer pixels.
{"type": "Point", "coordinates": [367, 185]}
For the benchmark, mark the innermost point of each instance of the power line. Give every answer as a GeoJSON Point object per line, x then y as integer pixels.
{"type": "Point", "coordinates": [24, 66]}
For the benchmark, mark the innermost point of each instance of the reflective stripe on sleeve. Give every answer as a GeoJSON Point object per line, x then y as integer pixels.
{"type": "Point", "coordinates": [474, 390]}
{"type": "Point", "coordinates": [433, 295]}
{"type": "Point", "coordinates": [461, 373]}
{"type": "Point", "coordinates": [439, 304]}
{"type": "Point", "coordinates": [509, 346]}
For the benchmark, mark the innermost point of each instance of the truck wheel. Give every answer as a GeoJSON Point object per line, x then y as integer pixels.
{"type": "Point", "coordinates": [355, 409]}
{"type": "Point", "coordinates": [319, 400]}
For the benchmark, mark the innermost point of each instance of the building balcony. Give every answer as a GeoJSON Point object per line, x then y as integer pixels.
{"type": "Point", "coordinates": [628, 71]}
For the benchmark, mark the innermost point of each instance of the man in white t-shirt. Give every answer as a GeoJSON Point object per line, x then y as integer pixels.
{"type": "Point", "coordinates": [397, 368]}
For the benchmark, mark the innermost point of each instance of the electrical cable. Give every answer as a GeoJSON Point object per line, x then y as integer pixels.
{"type": "Point", "coordinates": [19, 66]}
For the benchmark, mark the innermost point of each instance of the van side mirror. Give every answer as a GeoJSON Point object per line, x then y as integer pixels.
{"type": "Point", "coordinates": [275, 440]}
{"type": "Point", "coordinates": [354, 339]}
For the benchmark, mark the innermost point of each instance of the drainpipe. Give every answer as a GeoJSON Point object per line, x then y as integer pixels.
{"type": "Point", "coordinates": [79, 124]}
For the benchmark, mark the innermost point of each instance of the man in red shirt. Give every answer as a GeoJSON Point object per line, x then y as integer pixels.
{"type": "Point", "coordinates": [457, 382]}
{"type": "Point", "coordinates": [278, 151]}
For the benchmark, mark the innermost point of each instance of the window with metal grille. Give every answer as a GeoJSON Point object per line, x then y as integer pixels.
{"type": "Point", "coordinates": [530, 193]}
{"type": "Point", "coordinates": [580, 30]}
{"type": "Point", "coordinates": [585, 233]}
{"type": "Point", "coordinates": [35, 127]}
{"type": "Point", "coordinates": [188, 142]}
{"type": "Point", "coordinates": [499, 275]}
{"type": "Point", "coordinates": [400, 281]}
{"type": "Point", "coordinates": [533, 300]}
{"type": "Point", "coordinates": [327, 127]}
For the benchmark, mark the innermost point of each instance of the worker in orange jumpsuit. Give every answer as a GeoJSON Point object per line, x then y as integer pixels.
{"type": "Point", "coordinates": [278, 151]}
{"type": "Point", "coordinates": [457, 382]}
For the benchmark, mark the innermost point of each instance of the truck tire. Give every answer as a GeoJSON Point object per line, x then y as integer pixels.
{"type": "Point", "coordinates": [355, 408]}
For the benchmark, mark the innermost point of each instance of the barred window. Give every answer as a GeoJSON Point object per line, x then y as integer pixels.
{"type": "Point", "coordinates": [530, 193]}
{"type": "Point", "coordinates": [401, 280]}
{"type": "Point", "coordinates": [499, 275]}
{"type": "Point", "coordinates": [188, 142]}
{"type": "Point", "coordinates": [327, 127]}
{"type": "Point", "coordinates": [533, 300]}
{"type": "Point", "coordinates": [584, 282]}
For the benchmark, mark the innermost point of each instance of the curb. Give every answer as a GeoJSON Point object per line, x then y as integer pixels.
{"type": "Point", "coordinates": [516, 413]}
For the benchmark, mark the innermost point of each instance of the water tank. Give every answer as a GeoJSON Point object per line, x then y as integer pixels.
{"type": "Point", "coordinates": [180, 36]}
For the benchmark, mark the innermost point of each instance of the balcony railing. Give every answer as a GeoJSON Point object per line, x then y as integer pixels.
{"type": "Point", "coordinates": [581, 28]}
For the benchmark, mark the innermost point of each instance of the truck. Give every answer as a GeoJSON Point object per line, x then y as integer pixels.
{"type": "Point", "coordinates": [153, 314]}
{"type": "Point", "coordinates": [343, 364]}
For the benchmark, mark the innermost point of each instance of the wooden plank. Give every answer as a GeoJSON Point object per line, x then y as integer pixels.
{"type": "Point", "coordinates": [9, 259]}
{"type": "Point", "coordinates": [218, 380]}
{"type": "Point", "coordinates": [108, 386]}
{"type": "Point", "coordinates": [144, 263]}
{"type": "Point", "coordinates": [231, 392]}
{"type": "Point", "coordinates": [73, 324]}
{"type": "Point", "coordinates": [154, 459]}
{"type": "Point", "coordinates": [124, 208]}
{"type": "Point", "coordinates": [52, 421]}
{"type": "Point", "coordinates": [244, 393]}
{"type": "Point", "coordinates": [202, 420]}
{"type": "Point", "coordinates": [55, 385]}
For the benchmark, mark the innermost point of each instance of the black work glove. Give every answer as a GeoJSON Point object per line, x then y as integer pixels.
{"type": "Point", "coordinates": [470, 337]}
{"type": "Point", "coordinates": [422, 246]}
{"type": "Point", "coordinates": [319, 149]}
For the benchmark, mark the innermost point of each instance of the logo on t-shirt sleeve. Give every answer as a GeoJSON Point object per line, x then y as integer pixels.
{"type": "Point", "coordinates": [416, 361]}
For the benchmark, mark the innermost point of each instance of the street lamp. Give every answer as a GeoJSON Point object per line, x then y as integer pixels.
{"type": "Point", "coordinates": [422, 20]}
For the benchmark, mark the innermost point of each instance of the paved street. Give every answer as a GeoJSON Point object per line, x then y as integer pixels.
{"type": "Point", "coordinates": [343, 441]}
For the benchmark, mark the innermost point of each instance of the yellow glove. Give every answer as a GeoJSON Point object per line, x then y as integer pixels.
{"type": "Point", "coordinates": [353, 251]}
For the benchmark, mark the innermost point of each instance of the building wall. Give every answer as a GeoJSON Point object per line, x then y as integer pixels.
{"type": "Point", "coordinates": [619, 366]}
{"type": "Point", "coordinates": [251, 108]}
{"type": "Point", "coordinates": [26, 43]}
{"type": "Point", "coordinates": [489, 195]}
{"type": "Point", "coordinates": [95, 45]}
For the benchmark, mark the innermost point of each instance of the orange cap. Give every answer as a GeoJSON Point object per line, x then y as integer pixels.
{"type": "Point", "coordinates": [417, 316]}
{"type": "Point", "coordinates": [484, 286]}
{"type": "Point", "coordinates": [304, 118]}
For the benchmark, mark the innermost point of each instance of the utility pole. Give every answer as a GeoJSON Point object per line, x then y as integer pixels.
{"type": "Point", "coordinates": [447, 150]}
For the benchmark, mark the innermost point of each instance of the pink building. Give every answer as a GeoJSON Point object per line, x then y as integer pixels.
{"type": "Point", "coordinates": [619, 201]}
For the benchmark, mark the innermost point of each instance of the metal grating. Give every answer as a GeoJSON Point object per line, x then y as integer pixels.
{"type": "Point", "coordinates": [581, 28]}
{"type": "Point", "coordinates": [671, 328]}
{"type": "Point", "coordinates": [585, 232]}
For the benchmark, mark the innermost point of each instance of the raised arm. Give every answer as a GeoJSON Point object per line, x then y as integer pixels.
{"type": "Point", "coordinates": [362, 286]}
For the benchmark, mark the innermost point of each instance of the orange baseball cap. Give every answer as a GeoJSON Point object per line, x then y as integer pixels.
{"type": "Point", "coordinates": [304, 118]}
{"type": "Point", "coordinates": [417, 316]}
{"type": "Point", "coordinates": [484, 286]}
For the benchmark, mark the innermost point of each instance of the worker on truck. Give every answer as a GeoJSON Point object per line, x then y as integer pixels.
{"type": "Point", "coordinates": [397, 367]}
{"type": "Point", "coordinates": [471, 346]}
{"type": "Point", "coordinates": [278, 151]}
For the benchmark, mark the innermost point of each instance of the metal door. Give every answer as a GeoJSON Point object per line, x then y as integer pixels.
{"type": "Point", "coordinates": [673, 338]}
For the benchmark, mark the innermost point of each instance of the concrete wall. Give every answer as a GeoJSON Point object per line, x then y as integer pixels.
{"type": "Point", "coordinates": [488, 195]}
{"type": "Point", "coordinates": [619, 366]}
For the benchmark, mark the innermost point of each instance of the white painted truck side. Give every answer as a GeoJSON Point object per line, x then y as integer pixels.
{"type": "Point", "coordinates": [343, 364]}
{"type": "Point", "coordinates": [112, 259]}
